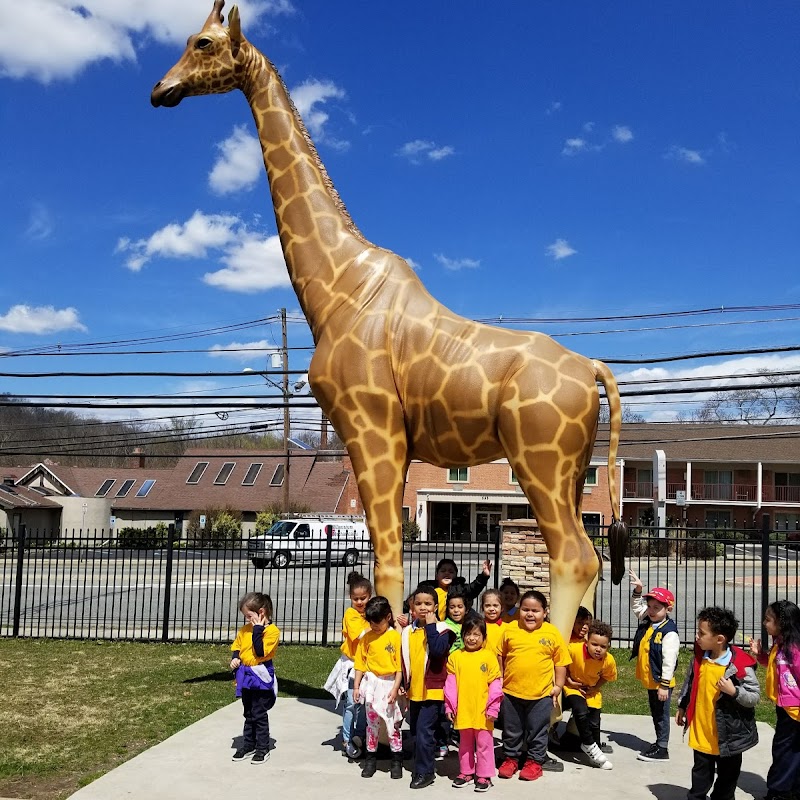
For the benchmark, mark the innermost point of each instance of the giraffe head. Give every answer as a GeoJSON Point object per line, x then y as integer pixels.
{"type": "Point", "coordinates": [212, 63]}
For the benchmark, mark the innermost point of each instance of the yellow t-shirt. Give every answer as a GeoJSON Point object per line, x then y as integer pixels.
{"type": "Point", "coordinates": [441, 596]}
{"type": "Point", "coordinates": [529, 659]}
{"type": "Point", "coordinates": [244, 644]}
{"type": "Point", "coordinates": [703, 733]}
{"type": "Point", "coordinates": [353, 625]}
{"type": "Point", "coordinates": [588, 670]}
{"type": "Point", "coordinates": [379, 653]}
{"type": "Point", "coordinates": [417, 690]}
{"type": "Point", "coordinates": [474, 672]}
{"type": "Point", "coordinates": [643, 674]}
{"type": "Point", "coordinates": [512, 617]}
{"type": "Point", "coordinates": [772, 684]}
{"type": "Point", "coordinates": [493, 634]}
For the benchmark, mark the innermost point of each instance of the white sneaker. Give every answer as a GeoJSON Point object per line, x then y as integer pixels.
{"type": "Point", "coordinates": [596, 756]}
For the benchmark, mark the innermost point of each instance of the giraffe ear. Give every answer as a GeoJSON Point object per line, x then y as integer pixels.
{"type": "Point", "coordinates": [235, 29]}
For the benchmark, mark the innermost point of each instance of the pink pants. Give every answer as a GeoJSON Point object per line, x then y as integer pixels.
{"type": "Point", "coordinates": [470, 741]}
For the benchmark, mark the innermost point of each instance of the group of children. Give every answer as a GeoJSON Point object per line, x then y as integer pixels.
{"type": "Point", "coordinates": [452, 672]}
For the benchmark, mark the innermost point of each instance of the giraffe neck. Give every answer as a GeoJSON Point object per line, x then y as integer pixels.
{"type": "Point", "coordinates": [317, 235]}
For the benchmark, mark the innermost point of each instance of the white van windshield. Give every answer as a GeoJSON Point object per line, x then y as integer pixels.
{"type": "Point", "coordinates": [281, 528]}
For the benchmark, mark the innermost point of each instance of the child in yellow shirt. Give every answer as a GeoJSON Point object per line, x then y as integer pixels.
{"type": "Point", "coordinates": [592, 666]}
{"type": "Point", "coordinates": [509, 594]}
{"type": "Point", "coordinates": [534, 661]}
{"type": "Point", "coordinates": [341, 679]}
{"type": "Point", "coordinates": [378, 675]}
{"type": "Point", "coordinates": [253, 650]}
{"type": "Point", "coordinates": [580, 628]}
{"type": "Point", "coordinates": [492, 610]}
{"type": "Point", "coordinates": [472, 694]}
{"type": "Point", "coordinates": [717, 703]}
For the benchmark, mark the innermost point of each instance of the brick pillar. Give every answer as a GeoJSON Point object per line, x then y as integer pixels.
{"type": "Point", "coordinates": [524, 555]}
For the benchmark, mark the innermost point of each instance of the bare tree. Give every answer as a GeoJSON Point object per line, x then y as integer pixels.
{"type": "Point", "coordinates": [627, 414]}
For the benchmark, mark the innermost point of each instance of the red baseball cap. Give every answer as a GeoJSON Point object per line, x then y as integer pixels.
{"type": "Point", "coordinates": [663, 595]}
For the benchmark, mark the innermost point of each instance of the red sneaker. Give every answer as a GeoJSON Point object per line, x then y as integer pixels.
{"type": "Point", "coordinates": [531, 771]}
{"type": "Point", "coordinates": [508, 768]}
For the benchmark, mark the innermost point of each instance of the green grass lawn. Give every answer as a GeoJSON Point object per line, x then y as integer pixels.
{"type": "Point", "coordinates": [73, 710]}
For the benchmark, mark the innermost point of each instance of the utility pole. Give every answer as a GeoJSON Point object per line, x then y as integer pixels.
{"type": "Point", "coordinates": [286, 428]}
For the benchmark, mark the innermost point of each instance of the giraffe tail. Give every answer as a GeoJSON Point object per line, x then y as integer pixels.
{"type": "Point", "coordinates": [617, 530]}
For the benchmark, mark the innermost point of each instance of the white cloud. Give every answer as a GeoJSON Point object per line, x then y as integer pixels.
{"type": "Point", "coordinates": [40, 223]}
{"type": "Point", "coordinates": [622, 134]}
{"type": "Point", "coordinates": [419, 150]}
{"type": "Point", "coordinates": [307, 97]}
{"type": "Point", "coordinates": [553, 108]}
{"type": "Point", "coordinates": [560, 249]}
{"type": "Point", "coordinates": [40, 319]}
{"type": "Point", "coordinates": [684, 154]}
{"type": "Point", "coordinates": [56, 39]}
{"type": "Point", "coordinates": [244, 351]}
{"type": "Point", "coordinates": [192, 239]}
{"type": "Point", "coordinates": [573, 146]}
{"type": "Point", "coordinates": [413, 264]}
{"type": "Point", "coordinates": [254, 264]}
{"type": "Point", "coordinates": [456, 264]}
{"type": "Point", "coordinates": [239, 165]}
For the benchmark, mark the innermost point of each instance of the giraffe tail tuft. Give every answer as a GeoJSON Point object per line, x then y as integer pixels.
{"type": "Point", "coordinates": [618, 543]}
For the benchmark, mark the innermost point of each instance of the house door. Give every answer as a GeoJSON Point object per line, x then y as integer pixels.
{"type": "Point", "coordinates": [487, 525]}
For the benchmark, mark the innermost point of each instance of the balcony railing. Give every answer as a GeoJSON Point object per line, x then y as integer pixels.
{"type": "Point", "coordinates": [643, 489]}
{"type": "Point", "coordinates": [782, 494]}
{"type": "Point", "coordinates": [741, 492]}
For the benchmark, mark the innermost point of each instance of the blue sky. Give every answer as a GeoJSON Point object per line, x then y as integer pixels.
{"type": "Point", "coordinates": [532, 160]}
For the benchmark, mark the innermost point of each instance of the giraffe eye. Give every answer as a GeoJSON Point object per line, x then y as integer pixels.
{"type": "Point", "coordinates": [203, 43]}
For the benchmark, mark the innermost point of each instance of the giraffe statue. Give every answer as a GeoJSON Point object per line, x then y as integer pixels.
{"type": "Point", "coordinates": [399, 375]}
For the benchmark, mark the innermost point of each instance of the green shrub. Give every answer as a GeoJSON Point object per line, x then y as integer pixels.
{"type": "Point", "coordinates": [150, 538]}
{"type": "Point", "coordinates": [223, 526]}
{"type": "Point", "coordinates": [411, 531]}
{"type": "Point", "coordinates": [265, 520]}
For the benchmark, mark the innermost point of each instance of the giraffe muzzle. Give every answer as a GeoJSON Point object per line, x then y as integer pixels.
{"type": "Point", "coordinates": [166, 95]}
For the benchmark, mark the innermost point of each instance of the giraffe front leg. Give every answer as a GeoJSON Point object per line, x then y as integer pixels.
{"type": "Point", "coordinates": [378, 452]}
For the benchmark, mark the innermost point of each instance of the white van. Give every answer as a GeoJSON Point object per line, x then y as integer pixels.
{"type": "Point", "coordinates": [304, 539]}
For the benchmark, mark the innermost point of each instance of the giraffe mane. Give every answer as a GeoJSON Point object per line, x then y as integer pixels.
{"type": "Point", "coordinates": [326, 179]}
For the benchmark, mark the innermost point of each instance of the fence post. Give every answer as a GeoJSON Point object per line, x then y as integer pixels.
{"type": "Point", "coordinates": [168, 584]}
{"type": "Point", "coordinates": [765, 520]}
{"type": "Point", "coordinates": [327, 589]}
{"type": "Point", "coordinates": [18, 584]}
{"type": "Point", "coordinates": [497, 551]}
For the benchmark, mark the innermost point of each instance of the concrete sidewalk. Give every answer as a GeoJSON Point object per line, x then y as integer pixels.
{"type": "Point", "coordinates": [195, 764]}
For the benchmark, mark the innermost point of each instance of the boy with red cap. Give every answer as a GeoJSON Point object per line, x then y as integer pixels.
{"type": "Point", "coordinates": [655, 648]}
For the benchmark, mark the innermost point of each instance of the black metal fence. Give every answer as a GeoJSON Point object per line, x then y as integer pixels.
{"type": "Point", "coordinates": [743, 570]}
{"type": "Point", "coordinates": [85, 585]}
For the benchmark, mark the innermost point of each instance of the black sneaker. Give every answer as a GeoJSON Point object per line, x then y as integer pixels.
{"type": "Point", "coordinates": [551, 765]}
{"type": "Point", "coordinates": [242, 753]}
{"type": "Point", "coordinates": [605, 747]}
{"type": "Point", "coordinates": [482, 784]}
{"type": "Point", "coordinates": [260, 756]}
{"type": "Point", "coordinates": [654, 753]}
{"type": "Point", "coordinates": [461, 781]}
{"type": "Point", "coordinates": [421, 781]}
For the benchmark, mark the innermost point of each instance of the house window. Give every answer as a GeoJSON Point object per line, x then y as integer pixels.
{"type": "Point", "coordinates": [145, 488]}
{"type": "Point", "coordinates": [125, 488]}
{"type": "Point", "coordinates": [513, 478]}
{"type": "Point", "coordinates": [718, 519]}
{"type": "Point", "coordinates": [105, 487]}
{"type": "Point", "coordinates": [224, 473]}
{"type": "Point", "coordinates": [591, 477]}
{"type": "Point", "coordinates": [197, 472]}
{"type": "Point", "coordinates": [458, 475]}
{"type": "Point", "coordinates": [277, 476]}
{"type": "Point", "coordinates": [787, 487]}
{"type": "Point", "coordinates": [592, 522]}
{"type": "Point", "coordinates": [787, 522]}
{"type": "Point", "coordinates": [252, 474]}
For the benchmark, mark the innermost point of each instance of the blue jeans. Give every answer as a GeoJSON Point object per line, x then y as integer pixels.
{"type": "Point", "coordinates": [354, 720]}
{"type": "Point", "coordinates": [660, 712]}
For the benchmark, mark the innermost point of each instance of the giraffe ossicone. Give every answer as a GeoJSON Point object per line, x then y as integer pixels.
{"type": "Point", "coordinates": [399, 375]}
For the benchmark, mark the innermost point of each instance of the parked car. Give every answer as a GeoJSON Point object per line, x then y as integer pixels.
{"type": "Point", "coordinates": [304, 539]}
